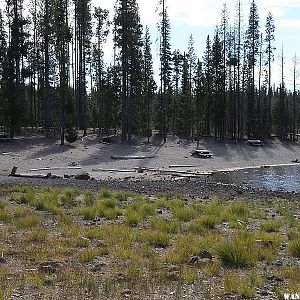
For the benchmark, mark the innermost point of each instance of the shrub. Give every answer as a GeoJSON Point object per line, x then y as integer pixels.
{"type": "Point", "coordinates": [71, 135]}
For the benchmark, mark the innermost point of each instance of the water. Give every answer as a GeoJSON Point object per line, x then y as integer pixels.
{"type": "Point", "coordinates": [283, 178]}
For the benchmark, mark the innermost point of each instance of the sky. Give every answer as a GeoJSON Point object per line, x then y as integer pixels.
{"type": "Point", "coordinates": [200, 17]}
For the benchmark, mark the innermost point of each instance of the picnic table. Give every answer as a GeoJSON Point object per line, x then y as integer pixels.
{"type": "Point", "coordinates": [202, 153]}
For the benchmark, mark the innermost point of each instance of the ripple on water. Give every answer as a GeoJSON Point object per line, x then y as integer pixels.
{"type": "Point", "coordinates": [282, 178]}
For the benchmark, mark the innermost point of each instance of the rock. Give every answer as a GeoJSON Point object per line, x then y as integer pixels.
{"type": "Point", "coordinates": [120, 277]}
{"type": "Point", "coordinates": [67, 176]}
{"type": "Point", "coordinates": [50, 267]}
{"type": "Point", "coordinates": [274, 278]}
{"type": "Point", "coordinates": [82, 176]}
{"type": "Point", "coordinates": [126, 293]}
{"type": "Point", "coordinates": [48, 282]}
{"type": "Point", "coordinates": [2, 260]}
{"type": "Point", "coordinates": [205, 254]}
{"type": "Point", "coordinates": [99, 267]}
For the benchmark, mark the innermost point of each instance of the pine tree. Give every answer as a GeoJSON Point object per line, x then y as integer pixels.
{"type": "Point", "coordinates": [128, 37]}
{"type": "Point", "coordinates": [192, 66]}
{"type": "Point", "coordinates": [149, 85]}
{"type": "Point", "coordinates": [252, 47]}
{"type": "Point", "coordinates": [102, 30]}
{"type": "Point", "coordinates": [269, 40]}
{"type": "Point", "coordinates": [218, 86]}
{"type": "Point", "coordinates": [208, 74]}
{"type": "Point", "coordinates": [3, 55]}
{"type": "Point", "coordinates": [174, 101]}
{"type": "Point", "coordinates": [17, 50]}
{"type": "Point", "coordinates": [165, 69]}
{"type": "Point", "coordinates": [83, 35]}
{"type": "Point", "coordinates": [184, 122]}
{"type": "Point", "coordinates": [199, 82]}
{"type": "Point", "coordinates": [62, 35]}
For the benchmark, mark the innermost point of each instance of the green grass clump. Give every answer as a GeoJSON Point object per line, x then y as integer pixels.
{"type": "Point", "coordinates": [68, 198]}
{"type": "Point", "coordinates": [37, 235]}
{"type": "Point", "coordinates": [240, 285]}
{"type": "Point", "coordinates": [27, 197]}
{"type": "Point", "coordinates": [183, 214]}
{"type": "Point", "coordinates": [237, 210]}
{"type": "Point", "coordinates": [271, 225]}
{"type": "Point", "coordinates": [156, 238]}
{"type": "Point", "coordinates": [167, 226]}
{"type": "Point", "coordinates": [2, 204]}
{"type": "Point", "coordinates": [184, 247]}
{"type": "Point", "coordinates": [133, 218]}
{"type": "Point", "coordinates": [5, 217]}
{"type": "Point", "coordinates": [105, 193]}
{"type": "Point", "coordinates": [240, 251]}
{"type": "Point", "coordinates": [88, 213]}
{"type": "Point", "coordinates": [28, 221]}
{"type": "Point", "coordinates": [294, 247]}
{"type": "Point", "coordinates": [87, 255]}
{"type": "Point", "coordinates": [89, 198]}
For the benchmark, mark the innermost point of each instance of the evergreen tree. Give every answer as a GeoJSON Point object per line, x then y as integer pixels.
{"type": "Point", "coordinates": [62, 35]}
{"type": "Point", "coordinates": [149, 86]}
{"type": "Point", "coordinates": [175, 99]}
{"type": "Point", "coordinates": [192, 67]}
{"type": "Point", "coordinates": [128, 37]}
{"type": "Point", "coordinates": [208, 75]}
{"type": "Point", "coordinates": [12, 73]}
{"type": "Point", "coordinates": [218, 86]}
{"type": "Point", "coordinates": [184, 122]}
{"type": "Point", "coordinates": [83, 37]}
{"type": "Point", "coordinates": [199, 82]}
{"type": "Point", "coordinates": [165, 69]}
{"type": "Point", "coordinates": [252, 48]}
{"type": "Point", "coordinates": [269, 40]}
{"type": "Point", "coordinates": [102, 29]}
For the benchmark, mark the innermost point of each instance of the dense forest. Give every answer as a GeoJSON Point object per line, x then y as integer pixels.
{"type": "Point", "coordinates": [53, 75]}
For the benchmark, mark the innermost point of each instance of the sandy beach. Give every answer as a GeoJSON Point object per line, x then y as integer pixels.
{"type": "Point", "coordinates": [37, 154]}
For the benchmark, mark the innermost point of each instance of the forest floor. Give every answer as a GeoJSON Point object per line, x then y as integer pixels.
{"type": "Point", "coordinates": [88, 155]}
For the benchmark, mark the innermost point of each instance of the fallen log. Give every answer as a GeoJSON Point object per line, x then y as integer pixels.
{"type": "Point", "coordinates": [26, 175]}
{"type": "Point", "coordinates": [183, 166]}
{"type": "Point", "coordinates": [54, 168]}
{"type": "Point", "coordinates": [10, 154]}
{"type": "Point", "coordinates": [176, 172]}
{"type": "Point", "coordinates": [132, 157]}
{"type": "Point", "coordinates": [113, 170]}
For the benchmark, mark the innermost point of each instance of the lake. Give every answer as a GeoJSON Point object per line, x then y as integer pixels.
{"type": "Point", "coordinates": [283, 178]}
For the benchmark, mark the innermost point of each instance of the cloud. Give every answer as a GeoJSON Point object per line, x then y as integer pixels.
{"type": "Point", "coordinates": [288, 23]}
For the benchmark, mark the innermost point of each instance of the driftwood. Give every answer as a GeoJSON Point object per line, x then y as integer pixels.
{"type": "Point", "coordinates": [132, 157]}
{"type": "Point", "coordinates": [175, 172]}
{"type": "Point", "coordinates": [10, 154]}
{"type": "Point", "coordinates": [54, 168]}
{"type": "Point", "coordinates": [14, 174]}
{"type": "Point", "coordinates": [113, 170]}
{"type": "Point", "coordinates": [183, 166]}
